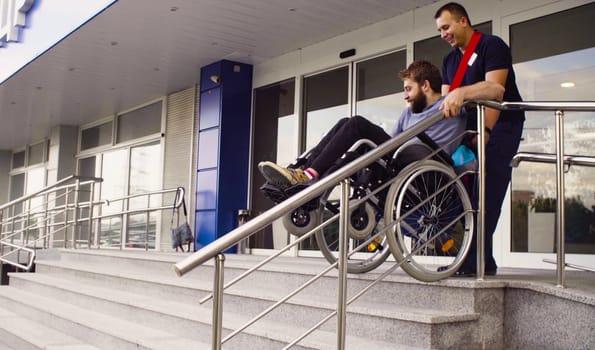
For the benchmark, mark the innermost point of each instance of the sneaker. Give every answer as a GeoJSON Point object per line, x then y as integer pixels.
{"type": "Point", "coordinates": [282, 177]}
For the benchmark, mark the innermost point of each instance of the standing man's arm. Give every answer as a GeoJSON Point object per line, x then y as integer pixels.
{"type": "Point", "coordinates": [490, 89]}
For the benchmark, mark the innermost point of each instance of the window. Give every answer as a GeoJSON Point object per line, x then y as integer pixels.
{"type": "Point", "coordinates": [36, 153]}
{"type": "Point", "coordinates": [142, 228]}
{"type": "Point", "coordinates": [18, 160]}
{"type": "Point", "coordinates": [326, 98]}
{"type": "Point", "coordinates": [28, 173]}
{"type": "Point", "coordinates": [99, 135]}
{"type": "Point", "coordinates": [126, 170]}
{"type": "Point", "coordinates": [540, 70]}
{"type": "Point", "coordinates": [543, 37]}
{"type": "Point", "coordinates": [379, 89]}
{"type": "Point", "coordinates": [140, 122]}
{"type": "Point", "coordinates": [17, 186]}
{"type": "Point", "coordinates": [275, 138]}
{"type": "Point", "coordinates": [434, 49]}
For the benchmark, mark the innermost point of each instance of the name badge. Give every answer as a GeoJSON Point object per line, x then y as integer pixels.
{"type": "Point", "coordinates": [472, 59]}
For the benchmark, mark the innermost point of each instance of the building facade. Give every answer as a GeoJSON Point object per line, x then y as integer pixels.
{"type": "Point", "coordinates": [144, 135]}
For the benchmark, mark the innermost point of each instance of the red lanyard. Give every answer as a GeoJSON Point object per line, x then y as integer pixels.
{"type": "Point", "coordinates": [456, 82]}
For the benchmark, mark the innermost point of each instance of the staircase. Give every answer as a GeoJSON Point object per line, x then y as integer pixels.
{"type": "Point", "coordinates": [101, 299]}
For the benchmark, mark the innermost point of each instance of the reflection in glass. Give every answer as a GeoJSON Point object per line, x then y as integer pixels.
{"type": "Point", "coordinates": [379, 89]}
{"type": "Point", "coordinates": [99, 135]}
{"type": "Point", "coordinates": [326, 100]}
{"type": "Point", "coordinates": [36, 153]}
{"type": "Point", "coordinates": [18, 159]}
{"type": "Point", "coordinates": [35, 182]}
{"type": "Point", "coordinates": [140, 122]}
{"type": "Point", "coordinates": [275, 137]}
{"type": "Point", "coordinates": [534, 185]}
{"type": "Point", "coordinates": [144, 167]}
{"type": "Point", "coordinates": [384, 111]}
{"type": "Point", "coordinates": [17, 186]}
{"type": "Point", "coordinates": [113, 172]}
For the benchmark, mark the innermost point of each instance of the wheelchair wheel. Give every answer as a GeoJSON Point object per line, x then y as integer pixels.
{"type": "Point", "coordinates": [363, 225]}
{"type": "Point", "coordinates": [431, 220]}
{"type": "Point", "coordinates": [301, 221]}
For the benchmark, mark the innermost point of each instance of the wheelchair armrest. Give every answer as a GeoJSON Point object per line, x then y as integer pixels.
{"type": "Point", "coordinates": [445, 157]}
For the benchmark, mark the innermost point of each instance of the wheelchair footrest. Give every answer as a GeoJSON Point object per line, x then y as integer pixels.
{"type": "Point", "coordinates": [278, 195]}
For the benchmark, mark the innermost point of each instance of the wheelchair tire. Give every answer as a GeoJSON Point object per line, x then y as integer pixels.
{"type": "Point", "coordinates": [367, 259]}
{"type": "Point", "coordinates": [299, 222]}
{"type": "Point", "coordinates": [431, 220]}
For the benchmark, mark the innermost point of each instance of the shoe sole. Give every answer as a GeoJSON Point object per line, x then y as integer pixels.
{"type": "Point", "coordinates": [273, 174]}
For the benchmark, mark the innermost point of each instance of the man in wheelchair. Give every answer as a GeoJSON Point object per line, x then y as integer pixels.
{"type": "Point", "coordinates": [422, 90]}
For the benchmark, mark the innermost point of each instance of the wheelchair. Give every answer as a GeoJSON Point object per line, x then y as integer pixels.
{"type": "Point", "coordinates": [412, 204]}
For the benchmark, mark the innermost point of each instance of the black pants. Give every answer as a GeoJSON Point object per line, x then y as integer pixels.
{"type": "Point", "coordinates": [340, 138]}
{"type": "Point", "coordinates": [502, 146]}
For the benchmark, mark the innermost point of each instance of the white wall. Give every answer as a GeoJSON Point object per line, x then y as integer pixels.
{"type": "Point", "coordinates": [400, 32]}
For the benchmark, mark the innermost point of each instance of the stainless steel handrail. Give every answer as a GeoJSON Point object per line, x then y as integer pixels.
{"type": "Point", "coordinates": [560, 159]}
{"type": "Point", "coordinates": [46, 221]}
{"type": "Point", "coordinates": [550, 158]}
{"type": "Point", "coordinates": [7, 237]}
{"type": "Point", "coordinates": [51, 187]}
{"type": "Point", "coordinates": [215, 249]}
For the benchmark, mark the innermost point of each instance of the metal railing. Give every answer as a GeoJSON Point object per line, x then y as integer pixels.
{"type": "Point", "coordinates": [66, 214]}
{"type": "Point", "coordinates": [30, 222]}
{"type": "Point", "coordinates": [559, 158]}
{"type": "Point", "coordinates": [124, 202]}
{"type": "Point", "coordinates": [216, 248]}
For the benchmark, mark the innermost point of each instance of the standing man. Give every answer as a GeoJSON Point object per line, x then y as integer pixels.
{"type": "Point", "coordinates": [486, 58]}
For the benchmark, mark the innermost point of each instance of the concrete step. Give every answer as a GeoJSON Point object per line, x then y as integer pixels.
{"type": "Point", "coordinates": [25, 334]}
{"type": "Point", "coordinates": [97, 329]}
{"type": "Point", "coordinates": [363, 319]}
{"type": "Point", "coordinates": [289, 273]}
{"type": "Point", "coordinates": [178, 319]}
{"type": "Point", "coordinates": [387, 315]}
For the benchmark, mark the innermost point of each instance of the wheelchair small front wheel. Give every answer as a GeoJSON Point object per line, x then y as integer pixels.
{"type": "Point", "coordinates": [300, 221]}
{"type": "Point", "coordinates": [369, 255]}
{"type": "Point", "coordinates": [430, 221]}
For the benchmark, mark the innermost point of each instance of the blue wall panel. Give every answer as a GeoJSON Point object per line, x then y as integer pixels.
{"type": "Point", "coordinates": [223, 148]}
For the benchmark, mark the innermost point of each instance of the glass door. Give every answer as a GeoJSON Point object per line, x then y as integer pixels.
{"type": "Point", "coordinates": [562, 71]}
{"type": "Point", "coordinates": [325, 101]}
{"type": "Point", "coordinates": [141, 229]}
{"type": "Point", "coordinates": [377, 96]}
{"type": "Point", "coordinates": [281, 135]}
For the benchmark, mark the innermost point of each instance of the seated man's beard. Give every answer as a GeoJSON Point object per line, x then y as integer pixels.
{"type": "Point", "coordinates": [418, 103]}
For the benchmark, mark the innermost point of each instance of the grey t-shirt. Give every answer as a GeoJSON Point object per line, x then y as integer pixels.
{"type": "Point", "coordinates": [442, 132]}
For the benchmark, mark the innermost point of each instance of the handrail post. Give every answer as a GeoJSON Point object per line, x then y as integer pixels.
{"type": "Point", "coordinates": [560, 212]}
{"type": "Point", "coordinates": [218, 301]}
{"type": "Point", "coordinates": [147, 218]}
{"type": "Point", "coordinates": [342, 264]}
{"type": "Point", "coordinates": [75, 214]}
{"type": "Point", "coordinates": [92, 239]}
{"type": "Point", "coordinates": [66, 195]}
{"type": "Point", "coordinates": [481, 187]}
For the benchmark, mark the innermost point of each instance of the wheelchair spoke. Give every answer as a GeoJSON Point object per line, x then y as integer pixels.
{"type": "Point", "coordinates": [431, 201]}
